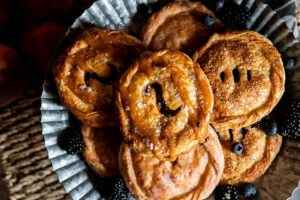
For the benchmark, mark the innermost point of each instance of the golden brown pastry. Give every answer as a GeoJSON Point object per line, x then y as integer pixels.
{"type": "Point", "coordinates": [246, 74]}
{"type": "Point", "coordinates": [164, 100]}
{"type": "Point", "coordinates": [179, 26]}
{"type": "Point", "coordinates": [193, 175]}
{"type": "Point", "coordinates": [101, 147]}
{"type": "Point", "coordinates": [85, 76]}
{"type": "Point", "coordinates": [259, 150]}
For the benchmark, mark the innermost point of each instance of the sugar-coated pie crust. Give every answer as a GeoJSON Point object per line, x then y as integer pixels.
{"type": "Point", "coordinates": [101, 148]}
{"type": "Point", "coordinates": [179, 26]}
{"type": "Point", "coordinates": [246, 74]}
{"type": "Point", "coordinates": [193, 175]}
{"type": "Point", "coordinates": [258, 154]}
{"type": "Point", "coordinates": [86, 74]}
{"type": "Point", "coordinates": [164, 102]}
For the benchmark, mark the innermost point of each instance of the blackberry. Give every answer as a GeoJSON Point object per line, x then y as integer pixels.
{"type": "Point", "coordinates": [75, 144]}
{"type": "Point", "coordinates": [290, 123]}
{"type": "Point", "coordinates": [226, 192]}
{"type": "Point", "coordinates": [237, 148]}
{"type": "Point", "coordinates": [117, 189]}
{"type": "Point", "coordinates": [208, 20]}
{"type": "Point", "coordinates": [71, 139]}
{"type": "Point", "coordinates": [248, 190]}
{"type": "Point", "coordinates": [235, 16]}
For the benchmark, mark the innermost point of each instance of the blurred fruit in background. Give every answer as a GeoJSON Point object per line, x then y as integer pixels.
{"type": "Point", "coordinates": [48, 8]}
{"type": "Point", "coordinates": [34, 28]}
{"type": "Point", "coordinates": [39, 44]}
{"type": "Point", "coordinates": [5, 12]}
{"type": "Point", "coordinates": [12, 75]}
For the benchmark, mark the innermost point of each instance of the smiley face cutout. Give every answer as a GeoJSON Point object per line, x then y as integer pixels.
{"type": "Point", "coordinates": [246, 74]}
{"type": "Point", "coordinates": [86, 75]}
{"type": "Point", "coordinates": [165, 102]}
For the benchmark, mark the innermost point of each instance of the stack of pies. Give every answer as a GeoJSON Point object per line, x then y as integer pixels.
{"type": "Point", "coordinates": [173, 126]}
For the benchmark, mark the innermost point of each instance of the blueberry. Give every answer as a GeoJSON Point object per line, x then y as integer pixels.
{"type": "Point", "coordinates": [219, 5]}
{"type": "Point", "coordinates": [208, 20]}
{"type": "Point", "coordinates": [215, 5]}
{"type": "Point", "coordinates": [248, 190]}
{"type": "Point", "coordinates": [290, 63]}
{"type": "Point", "coordinates": [237, 148]}
{"type": "Point", "coordinates": [145, 9]}
{"type": "Point", "coordinates": [270, 127]}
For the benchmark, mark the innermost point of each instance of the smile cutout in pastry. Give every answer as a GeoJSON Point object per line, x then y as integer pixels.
{"type": "Point", "coordinates": [194, 174]}
{"type": "Point", "coordinates": [180, 26]}
{"type": "Point", "coordinates": [101, 148]}
{"type": "Point", "coordinates": [86, 75]}
{"type": "Point", "coordinates": [259, 150]}
{"type": "Point", "coordinates": [247, 77]}
{"type": "Point", "coordinates": [165, 102]}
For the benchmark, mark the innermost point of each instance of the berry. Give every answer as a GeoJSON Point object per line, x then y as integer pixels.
{"type": "Point", "coordinates": [215, 5]}
{"type": "Point", "coordinates": [270, 126]}
{"type": "Point", "coordinates": [248, 190]}
{"type": "Point", "coordinates": [235, 16]}
{"type": "Point", "coordinates": [114, 188]}
{"type": "Point", "coordinates": [289, 62]}
{"type": "Point", "coordinates": [237, 148]}
{"type": "Point", "coordinates": [71, 139]}
{"type": "Point", "coordinates": [219, 5]}
{"type": "Point", "coordinates": [145, 9]}
{"type": "Point", "coordinates": [290, 124]}
{"type": "Point", "coordinates": [226, 192]}
{"type": "Point", "coordinates": [74, 144]}
{"type": "Point", "coordinates": [208, 20]}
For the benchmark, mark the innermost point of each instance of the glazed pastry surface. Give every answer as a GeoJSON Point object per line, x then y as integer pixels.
{"type": "Point", "coordinates": [101, 148]}
{"type": "Point", "coordinates": [165, 101]}
{"type": "Point", "coordinates": [86, 75]}
{"type": "Point", "coordinates": [246, 74]}
{"type": "Point", "coordinates": [259, 152]}
{"type": "Point", "coordinates": [193, 175]}
{"type": "Point", "coordinates": [179, 26]}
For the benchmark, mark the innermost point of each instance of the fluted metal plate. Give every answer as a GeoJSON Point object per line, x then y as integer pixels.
{"type": "Point", "coordinates": [72, 171]}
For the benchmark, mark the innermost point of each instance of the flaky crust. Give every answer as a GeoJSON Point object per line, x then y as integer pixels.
{"type": "Point", "coordinates": [179, 26]}
{"type": "Point", "coordinates": [101, 148]}
{"type": "Point", "coordinates": [194, 174]}
{"type": "Point", "coordinates": [246, 74]}
{"type": "Point", "coordinates": [85, 76]}
{"type": "Point", "coordinates": [155, 82]}
{"type": "Point", "coordinates": [259, 152]}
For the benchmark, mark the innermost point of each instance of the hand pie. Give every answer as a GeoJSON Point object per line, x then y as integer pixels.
{"type": "Point", "coordinates": [246, 74]}
{"type": "Point", "coordinates": [193, 175]}
{"type": "Point", "coordinates": [180, 26]}
{"type": "Point", "coordinates": [258, 154]}
{"type": "Point", "coordinates": [86, 74]}
{"type": "Point", "coordinates": [101, 147]}
{"type": "Point", "coordinates": [165, 101]}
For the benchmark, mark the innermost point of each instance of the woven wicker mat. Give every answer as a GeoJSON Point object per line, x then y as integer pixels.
{"type": "Point", "coordinates": [24, 165]}
{"type": "Point", "coordinates": [25, 171]}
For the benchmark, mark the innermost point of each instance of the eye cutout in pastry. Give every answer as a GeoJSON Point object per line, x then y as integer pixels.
{"type": "Point", "coordinates": [86, 75]}
{"type": "Point", "coordinates": [101, 148]}
{"type": "Point", "coordinates": [164, 101]}
{"type": "Point", "coordinates": [259, 151]}
{"type": "Point", "coordinates": [193, 175]}
{"type": "Point", "coordinates": [180, 26]}
{"type": "Point", "coordinates": [247, 77]}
